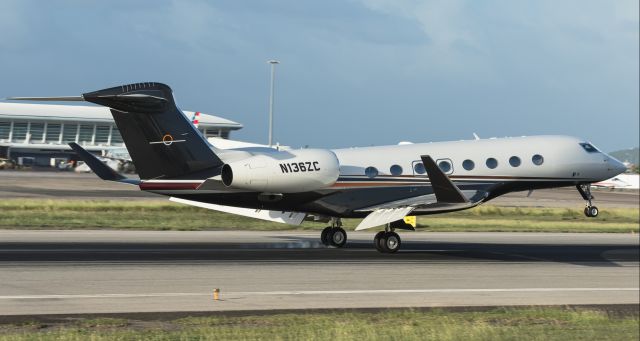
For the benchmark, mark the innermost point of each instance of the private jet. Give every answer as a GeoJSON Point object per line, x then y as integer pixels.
{"type": "Point", "coordinates": [383, 185]}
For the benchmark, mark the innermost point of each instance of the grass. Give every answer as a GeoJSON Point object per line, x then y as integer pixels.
{"type": "Point", "coordinates": [502, 219]}
{"type": "Point", "coordinates": [497, 324]}
{"type": "Point", "coordinates": [164, 215]}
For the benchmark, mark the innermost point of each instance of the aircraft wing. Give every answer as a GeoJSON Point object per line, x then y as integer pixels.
{"type": "Point", "coordinates": [428, 202]}
{"type": "Point", "coordinates": [446, 197]}
{"type": "Point", "coordinates": [424, 204]}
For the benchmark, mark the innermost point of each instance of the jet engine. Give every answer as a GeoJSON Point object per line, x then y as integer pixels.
{"type": "Point", "coordinates": [288, 171]}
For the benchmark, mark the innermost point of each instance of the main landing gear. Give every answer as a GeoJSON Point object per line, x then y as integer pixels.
{"type": "Point", "coordinates": [585, 191]}
{"type": "Point", "coordinates": [334, 235]}
{"type": "Point", "coordinates": [387, 241]}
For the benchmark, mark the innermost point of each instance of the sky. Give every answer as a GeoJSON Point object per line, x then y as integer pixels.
{"type": "Point", "coordinates": [352, 73]}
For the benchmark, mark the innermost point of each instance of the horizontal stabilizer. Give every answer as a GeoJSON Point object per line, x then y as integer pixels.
{"type": "Point", "coordinates": [383, 216]}
{"type": "Point", "coordinates": [48, 99]}
{"type": "Point", "coordinates": [443, 188]}
{"type": "Point", "coordinates": [292, 218]}
{"type": "Point", "coordinates": [103, 171]}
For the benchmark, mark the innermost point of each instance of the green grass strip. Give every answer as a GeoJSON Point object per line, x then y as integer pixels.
{"type": "Point", "coordinates": [165, 215]}
{"type": "Point", "coordinates": [498, 324]}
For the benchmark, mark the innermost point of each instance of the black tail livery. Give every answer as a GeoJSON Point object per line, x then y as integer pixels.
{"type": "Point", "coordinates": [162, 142]}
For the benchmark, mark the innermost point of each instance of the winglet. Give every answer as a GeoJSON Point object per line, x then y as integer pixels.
{"type": "Point", "coordinates": [103, 171]}
{"type": "Point", "coordinates": [443, 188]}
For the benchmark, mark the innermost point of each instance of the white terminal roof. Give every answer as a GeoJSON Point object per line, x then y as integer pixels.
{"type": "Point", "coordinates": [49, 112]}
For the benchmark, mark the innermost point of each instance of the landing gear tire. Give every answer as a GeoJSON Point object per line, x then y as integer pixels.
{"type": "Point", "coordinates": [337, 237]}
{"type": "Point", "coordinates": [334, 235]}
{"type": "Point", "coordinates": [387, 242]}
{"type": "Point", "coordinates": [591, 211]}
{"type": "Point", "coordinates": [391, 242]}
{"type": "Point", "coordinates": [324, 236]}
{"type": "Point", "coordinates": [377, 241]}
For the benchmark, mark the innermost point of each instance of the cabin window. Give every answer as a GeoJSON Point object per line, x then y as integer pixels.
{"type": "Point", "coordinates": [419, 168]}
{"type": "Point", "coordinates": [395, 170]}
{"type": "Point", "coordinates": [371, 172]}
{"type": "Point", "coordinates": [445, 166]}
{"type": "Point", "coordinates": [492, 163]}
{"type": "Point", "coordinates": [537, 159]}
{"type": "Point", "coordinates": [514, 161]}
{"type": "Point", "coordinates": [468, 165]}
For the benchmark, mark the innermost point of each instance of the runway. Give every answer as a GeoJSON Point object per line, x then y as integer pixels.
{"type": "Point", "coordinates": [65, 272]}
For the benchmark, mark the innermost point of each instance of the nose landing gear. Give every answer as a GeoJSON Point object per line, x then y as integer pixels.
{"type": "Point", "coordinates": [590, 210]}
{"type": "Point", "coordinates": [334, 235]}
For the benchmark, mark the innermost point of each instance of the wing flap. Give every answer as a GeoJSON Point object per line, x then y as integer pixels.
{"type": "Point", "coordinates": [383, 216]}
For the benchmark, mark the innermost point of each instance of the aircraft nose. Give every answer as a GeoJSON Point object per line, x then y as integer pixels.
{"type": "Point", "coordinates": [616, 166]}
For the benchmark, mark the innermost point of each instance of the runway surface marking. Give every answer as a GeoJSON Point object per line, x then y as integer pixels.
{"type": "Point", "coordinates": [316, 292]}
{"type": "Point", "coordinates": [69, 272]}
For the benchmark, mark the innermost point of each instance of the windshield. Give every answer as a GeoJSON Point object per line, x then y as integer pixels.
{"type": "Point", "coordinates": [589, 148]}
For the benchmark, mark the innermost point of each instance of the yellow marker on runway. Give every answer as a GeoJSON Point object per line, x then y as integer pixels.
{"type": "Point", "coordinates": [216, 294]}
{"type": "Point", "coordinates": [411, 220]}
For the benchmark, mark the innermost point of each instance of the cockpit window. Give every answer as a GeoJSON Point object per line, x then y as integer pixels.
{"type": "Point", "coordinates": [589, 148]}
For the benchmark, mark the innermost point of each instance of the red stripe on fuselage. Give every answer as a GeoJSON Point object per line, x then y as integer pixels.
{"type": "Point", "coordinates": [168, 185]}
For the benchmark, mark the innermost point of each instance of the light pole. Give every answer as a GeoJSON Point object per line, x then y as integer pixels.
{"type": "Point", "coordinates": [273, 63]}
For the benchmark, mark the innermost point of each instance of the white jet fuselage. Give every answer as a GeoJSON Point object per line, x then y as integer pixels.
{"type": "Point", "coordinates": [561, 158]}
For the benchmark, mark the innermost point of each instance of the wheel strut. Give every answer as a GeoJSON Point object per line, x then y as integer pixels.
{"type": "Point", "coordinates": [585, 191]}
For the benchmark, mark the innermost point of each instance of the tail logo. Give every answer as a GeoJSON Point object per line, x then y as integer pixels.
{"type": "Point", "coordinates": [167, 140]}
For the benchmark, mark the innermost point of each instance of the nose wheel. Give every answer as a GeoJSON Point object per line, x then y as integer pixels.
{"type": "Point", "coordinates": [590, 210]}
{"type": "Point", "coordinates": [334, 235]}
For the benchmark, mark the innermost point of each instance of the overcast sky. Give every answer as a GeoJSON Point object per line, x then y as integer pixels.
{"type": "Point", "coordinates": [352, 73]}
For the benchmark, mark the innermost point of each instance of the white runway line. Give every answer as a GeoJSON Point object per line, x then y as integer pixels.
{"type": "Point", "coordinates": [428, 291]}
{"type": "Point", "coordinates": [316, 292]}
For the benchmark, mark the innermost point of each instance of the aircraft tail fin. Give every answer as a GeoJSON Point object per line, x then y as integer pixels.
{"type": "Point", "coordinates": [162, 141]}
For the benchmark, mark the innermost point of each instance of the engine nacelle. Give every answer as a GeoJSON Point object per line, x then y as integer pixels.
{"type": "Point", "coordinates": [287, 171]}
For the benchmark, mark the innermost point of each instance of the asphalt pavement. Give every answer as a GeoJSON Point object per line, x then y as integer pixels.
{"type": "Point", "coordinates": [68, 272]}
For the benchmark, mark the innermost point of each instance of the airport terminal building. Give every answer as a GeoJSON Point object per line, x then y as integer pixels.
{"type": "Point", "coordinates": [38, 134]}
